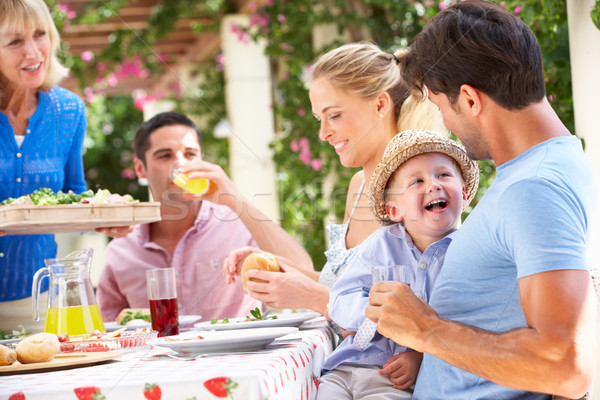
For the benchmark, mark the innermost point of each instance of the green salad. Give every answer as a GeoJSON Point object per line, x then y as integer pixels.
{"type": "Point", "coordinates": [14, 334]}
{"type": "Point", "coordinates": [129, 316]}
{"type": "Point", "coordinates": [255, 315]}
{"type": "Point", "coordinates": [46, 196]}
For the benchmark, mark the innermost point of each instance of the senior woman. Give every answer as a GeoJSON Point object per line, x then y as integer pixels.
{"type": "Point", "coordinates": [42, 128]}
{"type": "Point", "coordinates": [359, 99]}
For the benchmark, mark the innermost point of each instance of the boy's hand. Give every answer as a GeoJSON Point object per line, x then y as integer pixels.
{"type": "Point", "coordinates": [346, 333]}
{"type": "Point", "coordinates": [403, 368]}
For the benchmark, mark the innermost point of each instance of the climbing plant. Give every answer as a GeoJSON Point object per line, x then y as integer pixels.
{"type": "Point", "coordinates": [288, 29]}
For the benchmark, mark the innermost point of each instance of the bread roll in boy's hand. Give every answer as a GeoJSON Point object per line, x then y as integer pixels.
{"type": "Point", "coordinates": [263, 261]}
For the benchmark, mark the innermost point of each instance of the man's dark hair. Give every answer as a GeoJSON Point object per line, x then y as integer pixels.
{"type": "Point", "coordinates": [477, 43]}
{"type": "Point", "coordinates": [141, 142]}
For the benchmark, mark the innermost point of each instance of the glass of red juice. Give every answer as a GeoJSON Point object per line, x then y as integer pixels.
{"type": "Point", "coordinates": [162, 295]}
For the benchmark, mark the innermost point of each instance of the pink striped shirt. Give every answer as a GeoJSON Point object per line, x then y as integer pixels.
{"type": "Point", "coordinates": [198, 261]}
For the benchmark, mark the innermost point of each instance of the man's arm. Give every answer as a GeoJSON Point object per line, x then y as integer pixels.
{"type": "Point", "coordinates": [556, 353]}
{"type": "Point", "coordinates": [268, 235]}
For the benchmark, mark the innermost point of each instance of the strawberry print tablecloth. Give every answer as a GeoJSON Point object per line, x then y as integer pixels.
{"type": "Point", "coordinates": [287, 369]}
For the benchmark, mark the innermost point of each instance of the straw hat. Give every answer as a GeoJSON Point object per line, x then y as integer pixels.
{"type": "Point", "coordinates": [408, 144]}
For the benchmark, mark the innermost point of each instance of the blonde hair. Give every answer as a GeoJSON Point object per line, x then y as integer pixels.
{"type": "Point", "coordinates": [16, 15]}
{"type": "Point", "coordinates": [364, 70]}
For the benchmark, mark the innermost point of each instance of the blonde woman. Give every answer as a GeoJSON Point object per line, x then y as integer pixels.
{"type": "Point", "coordinates": [359, 99]}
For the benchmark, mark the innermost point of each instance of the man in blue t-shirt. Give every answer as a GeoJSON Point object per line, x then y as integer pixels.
{"type": "Point", "coordinates": [514, 303]}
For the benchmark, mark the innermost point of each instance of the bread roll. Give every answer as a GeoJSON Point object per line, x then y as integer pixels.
{"type": "Point", "coordinates": [40, 347]}
{"type": "Point", "coordinates": [7, 356]}
{"type": "Point", "coordinates": [264, 261]}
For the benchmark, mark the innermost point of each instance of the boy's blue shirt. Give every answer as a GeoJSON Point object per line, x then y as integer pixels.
{"type": "Point", "coordinates": [349, 297]}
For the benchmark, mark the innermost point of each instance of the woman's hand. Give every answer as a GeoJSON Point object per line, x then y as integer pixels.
{"type": "Point", "coordinates": [232, 266]}
{"type": "Point", "coordinates": [403, 368]}
{"type": "Point", "coordinates": [117, 231]}
{"type": "Point", "coordinates": [289, 288]}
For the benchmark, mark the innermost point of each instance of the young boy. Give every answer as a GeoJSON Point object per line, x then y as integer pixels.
{"type": "Point", "coordinates": [419, 190]}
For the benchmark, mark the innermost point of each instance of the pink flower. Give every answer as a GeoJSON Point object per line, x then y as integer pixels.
{"type": "Point", "coordinates": [287, 47]}
{"type": "Point", "coordinates": [140, 101]}
{"type": "Point", "coordinates": [294, 146]}
{"type": "Point", "coordinates": [71, 14]}
{"type": "Point", "coordinates": [303, 142]}
{"type": "Point", "coordinates": [128, 173]}
{"type": "Point", "coordinates": [220, 62]}
{"type": "Point", "coordinates": [259, 20]}
{"type": "Point", "coordinates": [269, 2]}
{"type": "Point", "coordinates": [252, 6]}
{"type": "Point", "coordinates": [87, 56]}
{"type": "Point", "coordinates": [63, 8]}
{"type": "Point", "coordinates": [112, 80]}
{"type": "Point", "coordinates": [162, 58]}
{"type": "Point", "coordinates": [89, 94]}
{"type": "Point", "coordinates": [305, 156]}
{"type": "Point", "coordinates": [239, 31]}
{"type": "Point", "coordinates": [316, 164]}
{"type": "Point", "coordinates": [443, 6]}
{"type": "Point", "coordinates": [101, 66]}
{"type": "Point", "coordinates": [551, 97]}
{"type": "Point", "coordinates": [517, 10]}
{"type": "Point", "coordinates": [281, 18]}
{"type": "Point", "coordinates": [301, 112]}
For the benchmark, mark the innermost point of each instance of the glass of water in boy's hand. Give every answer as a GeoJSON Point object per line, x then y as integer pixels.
{"type": "Point", "coordinates": [397, 273]}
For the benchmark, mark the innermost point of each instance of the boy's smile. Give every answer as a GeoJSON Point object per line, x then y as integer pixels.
{"type": "Point", "coordinates": [427, 194]}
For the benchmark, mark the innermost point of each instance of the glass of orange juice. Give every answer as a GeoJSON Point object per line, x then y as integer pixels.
{"type": "Point", "coordinates": [196, 186]}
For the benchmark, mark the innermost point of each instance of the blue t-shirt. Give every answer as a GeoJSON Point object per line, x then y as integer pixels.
{"type": "Point", "coordinates": [535, 217]}
{"type": "Point", "coordinates": [50, 156]}
{"type": "Point", "coordinates": [349, 296]}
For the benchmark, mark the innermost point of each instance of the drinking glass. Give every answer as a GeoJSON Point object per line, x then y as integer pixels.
{"type": "Point", "coordinates": [397, 273]}
{"type": "Point", "coordinates": [162, 294]}
{"type": "Point", "coordinates": [196, 186]}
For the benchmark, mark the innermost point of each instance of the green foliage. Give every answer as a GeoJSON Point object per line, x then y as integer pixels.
{"type": "Point", "coordinates": [287, 27]}
{"type": "Point", "coordinates": [595, 14]}
{"type": "Point", "coordinates": [206, 103]}
{"type": "Point", "coordinates": [108, 157]}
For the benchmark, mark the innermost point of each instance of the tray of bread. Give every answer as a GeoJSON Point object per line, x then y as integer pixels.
{"type": "Point", "coordinates": [44, 351]}
{"type": "Point", "coordinates": [45, 212]}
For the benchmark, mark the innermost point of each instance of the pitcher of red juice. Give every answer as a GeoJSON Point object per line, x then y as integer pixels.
{"type": "Point", "coordinates": [72, 307]}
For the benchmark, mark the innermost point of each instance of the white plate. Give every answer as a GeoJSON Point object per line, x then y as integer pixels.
{"type": "Point", "coordinates": [221, 342]}
{"type": "Point", "coordinates": [140, 323]}
{"type": "Point", "coordinates": [294, 319]}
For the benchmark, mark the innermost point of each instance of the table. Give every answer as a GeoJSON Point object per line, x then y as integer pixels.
{"type": "Point", "coordinates": [287, 369]}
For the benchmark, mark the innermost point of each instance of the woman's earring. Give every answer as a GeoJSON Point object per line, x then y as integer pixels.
{"type": "Point", "coordinates": [380, 115]}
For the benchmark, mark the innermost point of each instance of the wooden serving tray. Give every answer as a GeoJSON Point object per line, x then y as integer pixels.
{"type": "Point", "coordinates": [62, 360]}
{"type": "Point", "coordinates": [32, 219]}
